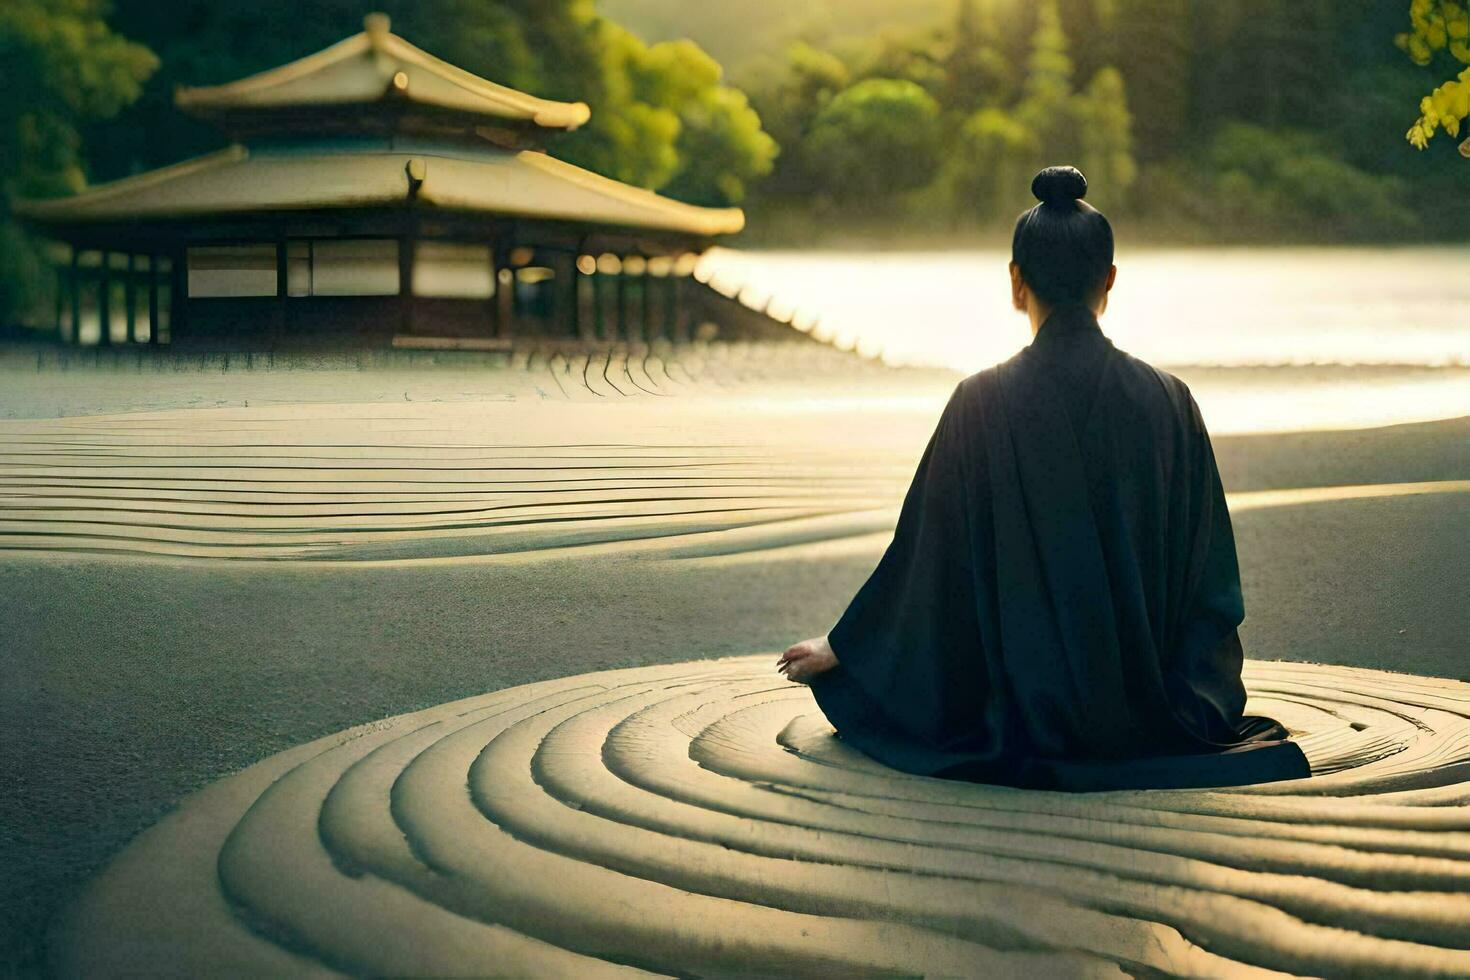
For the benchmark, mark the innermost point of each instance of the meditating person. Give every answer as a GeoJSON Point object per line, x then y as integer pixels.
{"type": "Point", "coordinates": [1058, 607]}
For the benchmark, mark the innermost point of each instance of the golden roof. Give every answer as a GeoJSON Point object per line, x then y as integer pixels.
{"type": "Point", "coordinates": [370, 67]}
{"type": "Point", "coordinates": [526, 183]}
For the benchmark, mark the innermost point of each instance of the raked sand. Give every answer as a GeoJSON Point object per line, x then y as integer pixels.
{"type": "Point", "coordinates": [200, 569]}
{"type": "Point", "coordinates": [699, 819]}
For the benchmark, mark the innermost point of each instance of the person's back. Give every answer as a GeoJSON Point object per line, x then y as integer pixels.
{"type": "Point", "coordinates": [1059, 605]}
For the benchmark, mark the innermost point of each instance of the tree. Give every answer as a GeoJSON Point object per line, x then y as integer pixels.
{"type": "Point", "coordinates": [1046, 106]}
{"type": "Point", "coordinates": [1263, 61]}
{"type": "Point", "coordinates": [1439, 26]}
{"type": "Point", "coordinates": [722, 148]}
{"type": "Point", "coordinates": [1049, 68]}
{"type": "Point", "coordinates": [666, 121]}
{"type": "Point", "coordinates": [1253, 181]}
{"type": "Point", "coordinates": [976, 72]}
{"type": "Point", "coordinates": [991, 165]}
{"type": "Point", "coordinates": [1106, 132]}
{"type": "Point", "coordinates": [1154, 40]}
{"type": "Point", "coordinates": [876, 140]}
{"type": "Point", "coordinates": [897, 52]}
{"type": "Point", "coordinates": [796, 89]}
{"type": "Point", "coordinates": [651, 104]}
{"type": "Point", "coordinates": [60, 65]}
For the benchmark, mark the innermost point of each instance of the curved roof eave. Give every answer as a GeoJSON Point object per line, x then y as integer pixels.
{"type": "Point", "coordinates": [363, 68]}
{"type": "Point", "coordinates": [526, 184]}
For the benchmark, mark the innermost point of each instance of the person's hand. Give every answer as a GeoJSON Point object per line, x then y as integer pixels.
{"type": "Point", "coordinates": [805, 660]}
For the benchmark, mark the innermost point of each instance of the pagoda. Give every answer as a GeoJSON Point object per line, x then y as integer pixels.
{"type": "Point", "coordinates": [373, 195]}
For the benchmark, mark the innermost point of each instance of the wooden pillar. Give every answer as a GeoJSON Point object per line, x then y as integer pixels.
{"type": "Point", "coordinates": [283, 278]}
{"type": "Point", "coordinates": [492, 305]}
{"type": "Point", "coordinates": [178, 294]}
{"type": "Point", "coordinates": [74, 284]}
{"type": "Point", "coordinates": [407, 246]}
{"type": "Point", "coordinates": [670, 319]}
{"type": "Point", "coordinates": [645, 318]}
{"type": "Point", "coordinates": [129, 292]}
{"type": "Point", "coordinates": [153, 331]}
{"type": "Point", "coordinates": [571, 296]}
{"type": "Point", "coordinates": [622, 304]}
{"type": "Point", "coordinates": [681, 316]}
{"type": "Point", "coordinates": [574, 297]}
{"type": "Point", "coordinates": [60, 274]}
{"type": "Point", "coordinates": [505, 285]}
{"type": "Point", "coordinates": [599, 303]}
{"type": "Point", "coordinates": [556, 299]}
{"type": "Point", "coordinates": [586, 303]}
{"type": "Point", "coordinates": [104, 300]}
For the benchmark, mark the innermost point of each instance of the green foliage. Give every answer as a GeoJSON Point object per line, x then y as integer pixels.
{"type": "Point", "coordinates": [875, 140]}
{"type": "Point", "coordinates": [804, 84]}
{"type": "Point", "coordinates": [722, 148]}
{"type": "Point", "coordinates": [60, 66]}
{"type": "Point", "coordinates": [662, 119]}
{"type": "Point", "coordinates": [801, 84]}
{"type": "Point", "coordinates": [1439, 26]}
{"type": "Point", "coordinates": [1253, 182]}
{"type": "Point", "coordinates": [742, 35]}
{"type": "Point", "coordinates": [898, 54]}
{"type": "Point", "coordinates": [1188, 69]}
{"type": "Point", "coordinates": [1155, 40]}
{"type": "Point", "coordinates": [1211, 115]}
{"type": "Point", "coordinates": [1048, 106]}
{"type": "Point", "coordinates": [976, 71]}
{"type": "Point", "coordinates": [1105, 128]}
{"type": "Point", "coordinates": [1092, 128]}
{"type": "Point", "coordinates": [992, 123]}
{"type": "Point", "coordinates": [662, 116]}
{"type": "Point", "coordinates": [998, 149]}
{"type": "Point", "coordinates": [1436, 25]}
{"type": "Point", "coordinates": [990, 166]}
{"type": "Point", "coordinates": [1049, 69]}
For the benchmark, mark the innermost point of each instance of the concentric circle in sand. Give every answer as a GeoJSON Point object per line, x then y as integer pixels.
{"type": "Point", "coordinates": [699, 818]}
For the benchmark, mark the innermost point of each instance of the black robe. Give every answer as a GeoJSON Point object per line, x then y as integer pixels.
{"type": "Point", "coordinates": [1058, 607]}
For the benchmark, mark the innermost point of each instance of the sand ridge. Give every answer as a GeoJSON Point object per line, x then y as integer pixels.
{"type": "Point", "coordinates": [373, 482]}
{"type": "Point", "coordinates": [700, 818]}
{"type": "Point", "coordinates": [116, 713]}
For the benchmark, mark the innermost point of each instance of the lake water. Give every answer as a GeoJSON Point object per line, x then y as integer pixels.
{"type": "Point", "coordinates": [1229, 307]}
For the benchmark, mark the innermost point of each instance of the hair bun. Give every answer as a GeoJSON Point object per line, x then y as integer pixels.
{"type": "Point", "coordinates": [1059, 185]}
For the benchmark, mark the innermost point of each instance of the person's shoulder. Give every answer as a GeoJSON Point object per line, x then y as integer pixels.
{"type": "Point", "coordinates": [973, 389]}
{"type": "Point", "coordinates": [973, 384]}
{"type": "Point", "coordinates": [1147, 378]}
{"type": "Point", "coordinates": [1161, 395]}
{"type": "Point", "coordinates": [965, 405]}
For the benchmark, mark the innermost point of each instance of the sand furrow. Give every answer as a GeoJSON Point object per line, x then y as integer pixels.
{"type": "Point", "coordinates": [701, 818]}
{"type": "Point", "coordinates": [349, 484]}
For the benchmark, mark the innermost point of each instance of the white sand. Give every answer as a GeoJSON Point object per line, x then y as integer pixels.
{"type": "Point", "coordinates": [134, 671]}
{"type": "Point", "coordinates": [699, 818]}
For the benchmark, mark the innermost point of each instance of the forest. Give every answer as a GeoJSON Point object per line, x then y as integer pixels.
{"type": "Point", "coordinates": [1227, 120]}
{"type": "Point", "coordinates": [1230, 120]}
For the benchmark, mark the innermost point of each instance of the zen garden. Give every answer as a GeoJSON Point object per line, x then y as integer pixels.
{"type": "Point", "coordinates": [624, 487]}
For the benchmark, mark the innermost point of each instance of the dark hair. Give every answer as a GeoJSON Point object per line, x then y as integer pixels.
{"type": "Point", "coordinates": [1063, 246]}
